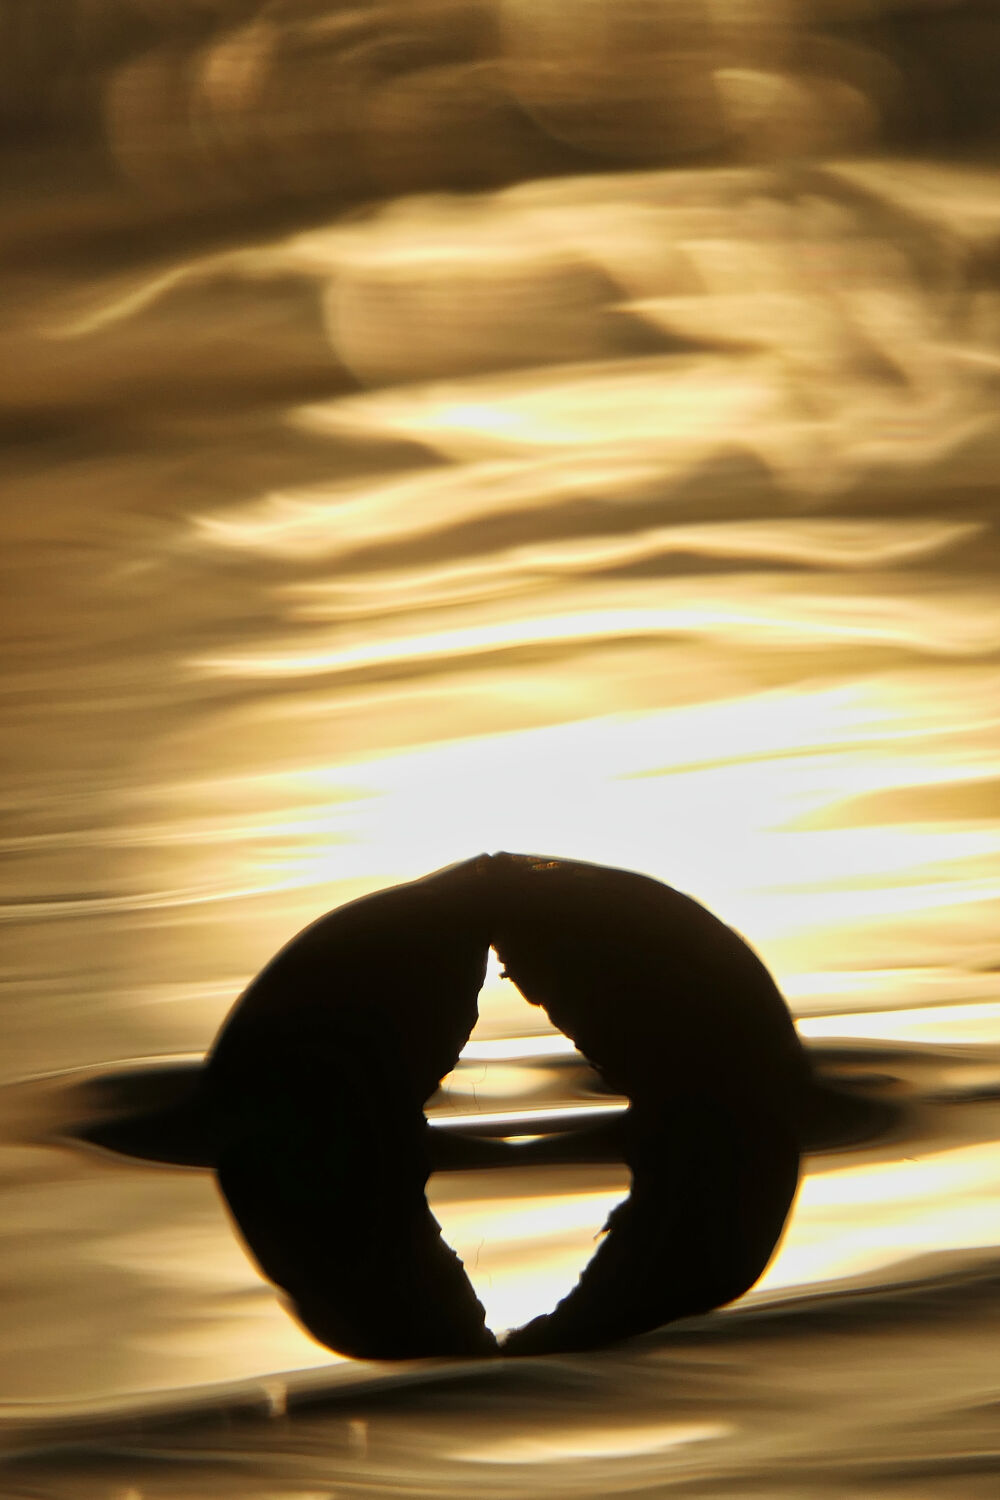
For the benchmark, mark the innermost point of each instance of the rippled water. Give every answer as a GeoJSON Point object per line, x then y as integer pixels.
{"type": "Point", "coordinates": [444, 427]}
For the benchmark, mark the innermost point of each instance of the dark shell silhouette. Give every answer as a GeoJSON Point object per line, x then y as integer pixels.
{"type": "Point", "coordinates": [318, 1078]}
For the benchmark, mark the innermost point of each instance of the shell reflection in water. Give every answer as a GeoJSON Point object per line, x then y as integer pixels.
{"type": "Point", "coordinates": [496, 424]}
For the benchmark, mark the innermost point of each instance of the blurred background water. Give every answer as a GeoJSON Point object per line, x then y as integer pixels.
{"type": "Point", "coordinates": [553, 425]}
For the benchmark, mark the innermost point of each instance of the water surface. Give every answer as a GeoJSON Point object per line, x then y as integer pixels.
{"type": "Point", "coordinates": [458, 427]}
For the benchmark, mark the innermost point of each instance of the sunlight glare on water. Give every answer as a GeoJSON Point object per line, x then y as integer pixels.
{"type": "Point", "coordinates": [487, 425]}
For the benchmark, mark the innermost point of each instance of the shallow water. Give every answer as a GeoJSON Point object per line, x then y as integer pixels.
{"type": "Point", "coordinates": [492, 426]}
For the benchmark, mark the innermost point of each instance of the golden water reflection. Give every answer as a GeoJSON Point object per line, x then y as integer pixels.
{"type": "Point", "coordinates": [454, 427]}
